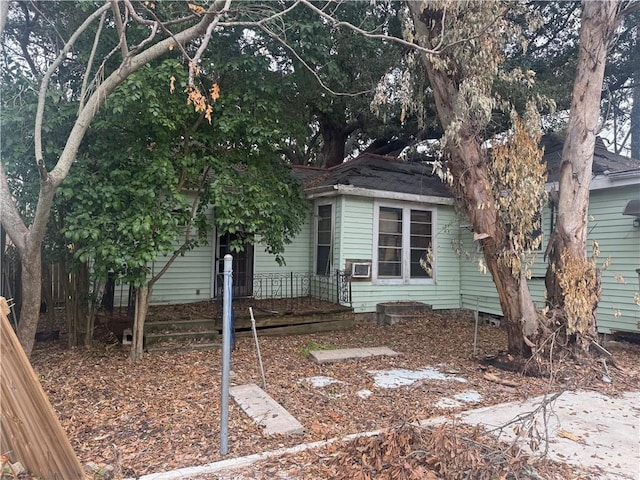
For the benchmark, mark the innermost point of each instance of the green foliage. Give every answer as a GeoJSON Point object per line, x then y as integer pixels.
{"type": "Point", "coordinates": [151, 169]}
{"type": "Point", "coordinates": [309, 347]}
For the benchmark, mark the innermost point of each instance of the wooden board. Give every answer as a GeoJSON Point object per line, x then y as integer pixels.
{"type": "Point", "coordinates": [30, 431]}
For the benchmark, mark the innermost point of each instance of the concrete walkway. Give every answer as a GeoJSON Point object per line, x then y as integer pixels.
{"type": "Point", "coordinates": [345, 354]}
{"type": "Point", "coordinates": [265, 411]}
{"type": "Point", "coordinates": [585, 428]}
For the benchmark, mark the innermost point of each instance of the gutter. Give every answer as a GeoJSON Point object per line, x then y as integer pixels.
{"type": "Point", "coordinates": [607, 180]}
{"type": "Point", "coordinates": [334, 190]}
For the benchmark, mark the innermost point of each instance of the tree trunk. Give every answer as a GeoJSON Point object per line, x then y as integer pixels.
{"type": "Point", "coordinates": [47, 298]}
{"type": "Point", "coordinates": [635, 105]}
{"type": "Point", "coordinates": [569, 270]}
{"type": "Point", "coordinates": [143, 295]}
{"type": "Point", "coordinates": [513, 292]}
{"type": "Point", "coordinates": [30, 260]}
{"type": "Point", "coordinates": [472, 186]}
{"type": "Point", "coordinates": [333, 141]}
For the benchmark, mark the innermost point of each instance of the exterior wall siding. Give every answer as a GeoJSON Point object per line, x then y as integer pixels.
{"type": "Point", "coordinates": [458, 280]}
{"type": "Point", "coordinates": [298, 255]}
{"type": "Point", "coordinates": [617, 238]}
{"type": "Point", "coordinates": [189, 279]}
{"type": "Point", "coordinates": [357, 242]}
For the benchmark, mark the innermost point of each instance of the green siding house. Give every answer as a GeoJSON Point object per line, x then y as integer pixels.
{"type": "Point", "coordinates": [390, 231]}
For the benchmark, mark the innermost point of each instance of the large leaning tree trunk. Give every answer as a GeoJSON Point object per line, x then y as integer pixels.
{"type": "Point", "coordinates": [572, 280]}
{"type": "Point", "coordinates": [468, 162]}
{"type": "Point", "coordinates": [28, 239]}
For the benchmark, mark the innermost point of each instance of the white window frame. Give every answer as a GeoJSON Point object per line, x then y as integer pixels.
{"type": "Point", "coordinates": [316, 216]}
{"type": "Point", "coordinates": [405, 279]}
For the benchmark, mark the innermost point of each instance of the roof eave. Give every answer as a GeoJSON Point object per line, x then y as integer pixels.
{"type": "Point", "coordinates": [333, 190]}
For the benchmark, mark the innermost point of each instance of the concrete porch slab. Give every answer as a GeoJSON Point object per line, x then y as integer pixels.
{"type": "Point", "coordinates": [344, 354]}
{"type": "Point", "coordinates": [264, 410]}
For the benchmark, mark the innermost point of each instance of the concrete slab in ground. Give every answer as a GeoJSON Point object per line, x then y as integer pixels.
{"type": "Point", "coordinates": [585, 428]}
{"type": "Point", "coordinates": [609, 430]}
{"type": "Point", "coordinates": [344, 354]}
{"type": "Point", "coordinates": [264, 410]}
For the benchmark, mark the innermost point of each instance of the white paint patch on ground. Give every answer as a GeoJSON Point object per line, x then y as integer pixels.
{"type": "Point", "coordinates": [469, 396]}
{"type": "Point", "coordinates": [402, 377]}
{"type": "Point", "coordinates": [364, 393]}
{"type": "Point", "coordinates": [447, 402]}
{"type": "Point", "coordinates": [321, 381]}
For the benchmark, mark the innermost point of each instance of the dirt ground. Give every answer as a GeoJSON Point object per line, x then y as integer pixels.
{"type": "Point", "coordinates": [163, 412]}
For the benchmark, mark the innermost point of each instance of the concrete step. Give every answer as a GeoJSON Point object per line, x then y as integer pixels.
{"type": "Point", "coordinates": [393, 318]}
{"type": "Point", "coordinates": [409, 309]}
{"type": "Point", "coordinates": [344, 354]}
{"type": "Point", "coordinates": [265, 411]}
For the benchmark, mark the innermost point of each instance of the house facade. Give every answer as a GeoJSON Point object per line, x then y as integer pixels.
{"type": "Point", "coordinates": [390, 228]}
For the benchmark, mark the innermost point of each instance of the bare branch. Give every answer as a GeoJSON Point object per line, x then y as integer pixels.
{"type": "Point", "coordinates": [148, 40]}
{"type": "Point", "coordinates": [308, 67]}
{"type": "Point", "coordinates": [120, 28]}
{"type": "Point", "coordinates": [85, 78]}
{"type": "Point", "coordinates": [166, 24]}
{"type": "Point", "coordinates": [262, 21]}
{"type": "Point", "coordinates": [4, 12]}
{"type": "Point", "coordinates": [205, 40]}
{"type": "Point", "coordinates": [44, 85]}
{"type": "Point", "coordinates": [379, 36]}
{"type": "Point", "coordinates": [632, 7]}
{"type": "Point", "coordinates": [154, 24]}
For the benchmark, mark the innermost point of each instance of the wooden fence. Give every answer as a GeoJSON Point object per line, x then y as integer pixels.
{"type": "Point", "coordinates": [30, 431]}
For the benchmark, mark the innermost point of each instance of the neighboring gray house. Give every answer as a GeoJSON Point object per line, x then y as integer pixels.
{"type": "Point", "coordinates": [374, 219]}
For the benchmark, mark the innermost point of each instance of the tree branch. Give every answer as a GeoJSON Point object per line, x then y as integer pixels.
{"type": "Point", "coordinates": [324, 86]}
{"type": "Point", "coordinates": [205, 40]}
{"type": "Point", "coordinates": [9, 215]}
{"type": "Point", "coordinates": [4, 13]}
{"type": "Point", "coordinates": [44, 85]}
{"type": "Point", "coordinates": [122, 37]}
{"type": "Point", "coordinates": [339, 23]}
{"type": "Point", "coordinates": [85, 79]}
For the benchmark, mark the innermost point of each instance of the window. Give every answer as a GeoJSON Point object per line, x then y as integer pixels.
{"type": "Point", "coordinates": [403, 237]}
{"type": "Point", "coordinates": [324, 235]}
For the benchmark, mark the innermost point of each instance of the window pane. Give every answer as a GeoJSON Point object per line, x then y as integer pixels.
{"type": "Point", "coordinates": [324, 211]}
{"type": "Point", "coordinates": [323, 267]}
{"type": "Point", "coordinates": [416, 268]}
{"type": "Point", "coordinates": [420, 239]}
{"type": "Point", "coordinates": [390, 254]}
{"type": "Point", "coordinates": [324, 240]}
{"type": "Point", "coordinates": [324, 223]}
{"type": "Point", "coordinates": [389, 269]}
{"type": "Point", "coordinates": [390, 242]}
{"type": "Point", "coordinates": [420, 216]}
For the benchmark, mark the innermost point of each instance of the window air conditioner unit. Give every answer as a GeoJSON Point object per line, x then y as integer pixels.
{"type": "Point", "coordinates": [360, 270]}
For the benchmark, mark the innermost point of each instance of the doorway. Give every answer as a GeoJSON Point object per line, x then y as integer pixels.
{"type": "Point", "coordinates": [242, 266]}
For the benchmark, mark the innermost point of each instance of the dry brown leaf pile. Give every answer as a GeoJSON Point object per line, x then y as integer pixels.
{"type": "Point", "coordinates": [163, 412]}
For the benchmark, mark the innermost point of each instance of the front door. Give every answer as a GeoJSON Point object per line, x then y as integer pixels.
{"type": "Point", "coordinates": [242, 267]}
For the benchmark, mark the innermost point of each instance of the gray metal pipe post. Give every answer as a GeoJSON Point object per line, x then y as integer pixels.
{"type": "Point", "coordinates": [226, 353]}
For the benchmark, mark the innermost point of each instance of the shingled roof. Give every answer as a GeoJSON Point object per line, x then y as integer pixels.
{"type": "Point", "coordinates": [373, 172]}
{"type": "Point", "coordinates": [604, 161]}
